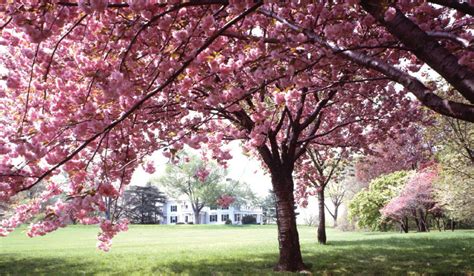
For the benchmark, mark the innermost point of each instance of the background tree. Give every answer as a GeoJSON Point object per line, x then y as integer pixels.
{"type": "Point", "coordinates": [453, 192]}
{"type": "Point", "coordinates": [143, 204]}
{"type": "Point", "coordinates": [365, 206]}
{"type": "Point", "coordinates": [336, 192]}
{"type": "Point", "coordinates": [201, 181]}
{"type": "Point", "coordinates": [404, 149]}
{"type": "Point", "coordinates": [320, 166]}
{"type": "Point", "coordinates": [269, 205]}
{"type": "Point", "coordinates": [455, 143]}
{"type": "Point", "coordinates": [416, 200]}
{"type": "Point", "coordinates": [237, 193]}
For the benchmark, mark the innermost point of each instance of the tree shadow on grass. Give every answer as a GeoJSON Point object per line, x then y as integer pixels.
{"type": "Point", "coordinates": [254, 265]}
{"type": "Point", "coordinates": [395, 256]}
{"type": "Point", "coordinates": [399, 256]}
{"type": "Point", "coordinates": [377, 256]}
{"type": "Point", "coordinates": [11, 265]}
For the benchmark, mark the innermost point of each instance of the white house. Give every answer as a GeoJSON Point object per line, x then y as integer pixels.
{"type": "Point", "coordinates": [181, 211]}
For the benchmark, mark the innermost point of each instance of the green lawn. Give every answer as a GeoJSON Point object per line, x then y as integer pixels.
{"type": "Point", "coordinates": [216, 250]}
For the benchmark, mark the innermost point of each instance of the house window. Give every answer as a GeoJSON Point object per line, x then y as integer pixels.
{"type": "Point", "coordinates": [173, 219]}
{"type": "Point", "coordinates": [224, 217]}
{"type": "Point", "coordinates": [212, 218]}
{"type": "Point", "coordinates": [237, 217]}
{"type": "Point", "coordinates": [225, 208]}
{"type": "Point", "coordinates": [174, 208]}
{"type": "Point", "coordinates": [213, 208]}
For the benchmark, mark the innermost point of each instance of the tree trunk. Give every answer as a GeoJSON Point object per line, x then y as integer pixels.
{"type": "Point", "coordinates": [418, 224]}
{"type": "Point", "coordinates": [404, 224]}
{"type": "Point", "coordinates": [336, 208]}
{"type": "Point", "coordinates": [423, 226]}
{"type": "Point", "coordinates": [107, 208]}
{"type": "Point", "coordinates": [438, 224]}
{"type": "Point", "coordinates": [196, 217]}
{"type": "Point", "coordinates": [288, 239]}
{"type": "Point", "coordinates": [322, 218]}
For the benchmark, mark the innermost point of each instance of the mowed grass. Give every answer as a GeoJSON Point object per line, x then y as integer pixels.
{"type": "Point", "coordinates": [222, 250]}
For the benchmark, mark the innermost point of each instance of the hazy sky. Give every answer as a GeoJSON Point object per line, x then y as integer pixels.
{"type": "Point", "coordinates": [241, 168]}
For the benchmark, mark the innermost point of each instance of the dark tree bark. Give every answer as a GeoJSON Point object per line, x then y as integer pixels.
{"type": "Point", "coordinates": [425, 48]}
{"type": "Point", "coordinates": [417, 221]}
{"type": "Point", "coordinates": [438, 225]}
{"type": "Point", "coordinates": [322, 218]}
{"type": "Point", "coordinates": [462, 6]}
{"type": "Point", "coordinates": [404, 224]}
{"type": "Point", "coordinates": [288, 238]}
{"type": "Point", "coordinates": [420, 221]}
{"type": "Point", "coordinates": [423, 223]}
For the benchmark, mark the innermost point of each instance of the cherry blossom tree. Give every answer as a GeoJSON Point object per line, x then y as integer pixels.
{"type": "Point", "coordinates": [416, 200]}
{"type": "Point", "coordinates": [94, 87]}
{"type": "Point", "coordinates": [314, 172]}
{"type": "Point", "coordinates": [403, 149]}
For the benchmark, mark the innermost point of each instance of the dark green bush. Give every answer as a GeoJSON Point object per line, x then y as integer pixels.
{"type": "Point", "coordinates": [249, 220]}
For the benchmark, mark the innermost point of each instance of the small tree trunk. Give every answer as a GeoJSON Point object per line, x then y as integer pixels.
{"type": "Point", "coordinates": [404, 224]}
{"type": "Point", "coordinates": [107, 213]}
{"type": "Point", "coordinates": [322, 218]}
{"type": "Point", "coordinates": [288, 239]}
{"type": "Point", "coordinates": [423, 226]}
{"type": "Point", "coordinates": [336, 208]}
{"type": "Point", "coordinates": [415, 216]}
{"type": "Point", "coordinates": [196, 217]}
{"type": "Point", "coordinates": [438, 224]}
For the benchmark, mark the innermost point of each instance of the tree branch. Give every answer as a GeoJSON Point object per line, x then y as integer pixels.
{"type": "Point", "coordinates": [462, 6]}
{"type": "Point", "coordinates": [445, 35]}
{"type": "Point", "coordinates": [422, 93]}
{"type": "Point", "coordinates": [425, 48]}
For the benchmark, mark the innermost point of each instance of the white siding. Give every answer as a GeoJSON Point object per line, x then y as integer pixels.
{"type": "Point", "coordinates": [183, 209]}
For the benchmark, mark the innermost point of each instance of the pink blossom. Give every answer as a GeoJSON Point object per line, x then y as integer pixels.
{"type": "Point", "coordinates": [150, 167]}
{"type": "Point", "coordinates": [225, 201]}
{"type": "Point", "coordinates": [390, 14]}
{"type": "Point", "coordinates": [202, 174]}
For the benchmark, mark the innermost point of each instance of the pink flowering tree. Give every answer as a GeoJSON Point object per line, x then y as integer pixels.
{"type": "Point", "coordinates": [403, 149]}
{"type": "Point", "coordinates": [416, 200]}
{"type": "Point", "coordinates": [315, 171]}
{"type": "Point", "coordinates": [94, 87]}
